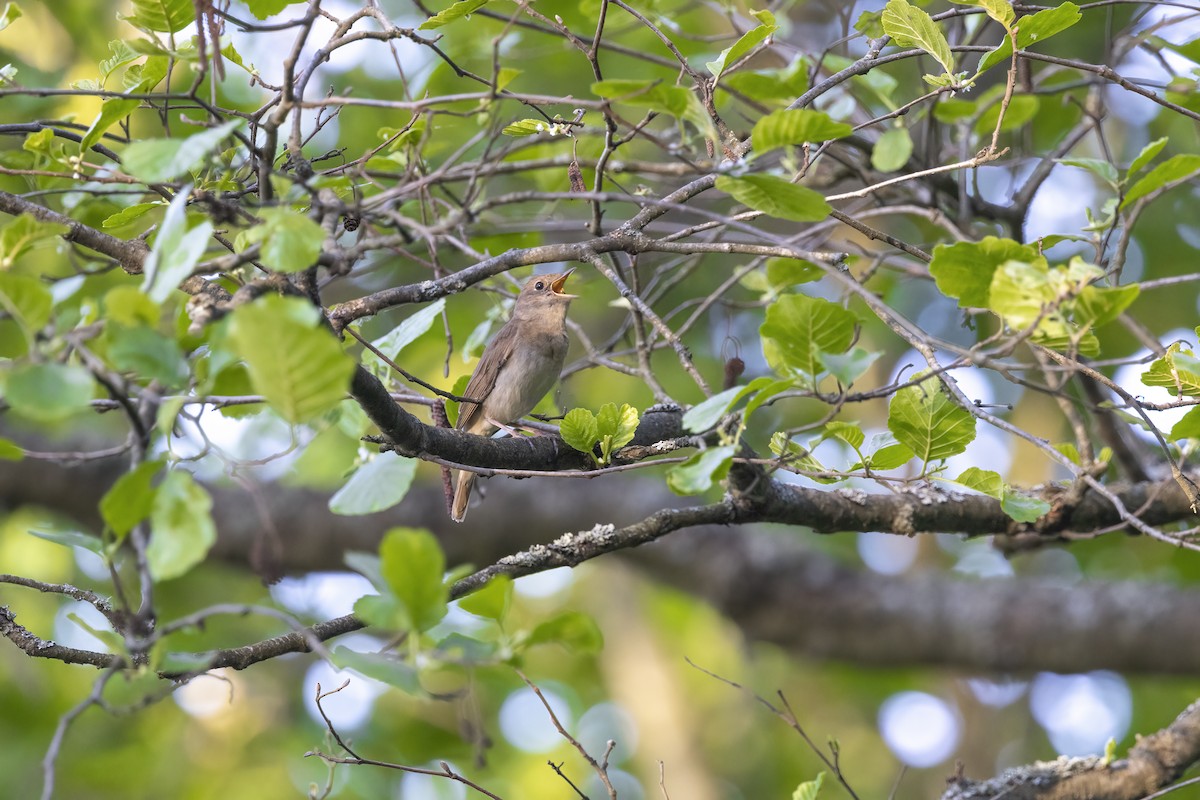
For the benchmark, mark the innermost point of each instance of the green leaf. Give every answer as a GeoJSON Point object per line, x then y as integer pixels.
{"type": "Point", "coordinates": [769, 85]}
{"type": "Point", "coordinates": [383, 667]}
{"type": "Point", "coordinates": [573, 630]}
{"type": "Point", "coordinates": [299, 367]}
{"type": "Point", "coordinates": [870, 24]}
{"type": "Point", "coordinates": [129, 215]}
{"type": "Point", "coordinates": [27, 300]}
{"type": "Point", "coordinates": [126, 305]}
{"type": "Point", "coordinates": [1034, 29]}
{"type": "Point", "coordinates": [656, 95]}
{"type": "Point", "coordinates": [111, 111]}
{"type": "Point", "coordinates": [49, 392]}
{"type": "Point", "coordinates": [113, 642]}
{"type": "Point", "coordinates": [1021, 109]}
{"type": "Point", "coordinates": [798, 328]}
{"type": "Point", "coordinates": [848, 432]}
{"type": "Point", "coordinates": [1173, 170]}
{"type": "Point", "coordinates": [984, 481]}
{"type": "Point", "coordinates": [1023, 507]}
{"type": "Point", "coordinates": [72, 539]}
{"type": "Point", "coordinates": [532, 127]}
{"type": "Point", "coordinates": [9, 451]}
{"type": "Point", "coordinates": [176, 250]}
{"type": "Point", "coordinates": [492, 601]}
{"type": "Point", "coordinates": [168, 16]}
{"type": "Point", "coordinates": [775, 197]}
{"type": "Point", "coordinates": [892, 150]}
{"type": "Point", "coordinates": [785, 272]}
{"type": "Point", "coordinates": [1147, 155]}
{"type": "Point", "coordinates": [131, 498]}
{"type": "Point", "coordinates": [1096, 305]}
{"type": "Point", "coordinates": [1188, 426]}
{"type": "Point", "coordinates": [701, 471]}
{"type": "Point", "coordinates": [579, 430]}
{"type": "Point", "coordinates": [747, 42]}
{"type": "Point", "coordinates": [376, 486]}
{"type": "Point", "coordinates": [890, 456]}
{"type": "Point", "coordinates": [162, 160]}
{"type": "Point", "coordinates": [268, 8]}
{"type": "Point", "coordinates": [1178, 370]}
{"type": "Point", "coordinates": [964, 270]}
{"type": "Point", "coordinates": [404, 334]}
{"type": "Point", "coordinates": [848, 367]}
{"type": "Point", "coordinates": [1097, 166]}
{"type": "Point", "coordinates": [413, 565]}
{"type": "Point", "coordinates": [616, 428]}
{"type": "Point", "coordinates": [999, 10]}
{"type": "Point", "coordinates": [24, 232]}
{"type": "Point", "coordinates": [795, 126]}
{"type": "Point", "coordinates": [909, 26]}
{"type": "Point", "coordinates": [9, 14]}
{"type": "Point", "coordinates": [1020, 293]}
{"type": "Point", "coordinates": [1070, 451]}
{"type": "Point", "coordinates": [798, 457]}
{"type": "Point", "coordinates": [929, 422]}
{"type": "Point", "coordinates": [810, 789]}
{"type": "Point", "coordinates": [147, 354]}
{"type": "Point", "coordinates": [290, 241]}
{"type": "Point", "coordinates": [704, 415]}
{"type": "Point", "coordinates": [181, 526]}
{"type": "Point", "coordinates": [455, 12]}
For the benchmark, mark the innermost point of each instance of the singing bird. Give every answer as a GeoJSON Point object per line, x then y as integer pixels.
{"type": "Point", "coordinates": [517, 368]}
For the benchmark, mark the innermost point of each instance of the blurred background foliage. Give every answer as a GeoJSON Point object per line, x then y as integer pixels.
{"type": "Point", "coordinates": [245, 734]}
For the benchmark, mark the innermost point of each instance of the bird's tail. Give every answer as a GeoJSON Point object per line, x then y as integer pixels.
{"type": "Point", "coordinates": [462, 495]}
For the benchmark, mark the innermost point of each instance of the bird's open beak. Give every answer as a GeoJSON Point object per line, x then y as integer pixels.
{"type": "Point", "coordinates": [561, 281]}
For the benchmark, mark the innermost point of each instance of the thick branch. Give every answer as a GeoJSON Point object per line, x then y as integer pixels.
{"type": "Point", "coordinates": [1153, 763]}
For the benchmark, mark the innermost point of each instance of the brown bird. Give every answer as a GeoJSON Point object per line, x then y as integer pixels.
{"type": "Point", "coordinates": [517, 368]}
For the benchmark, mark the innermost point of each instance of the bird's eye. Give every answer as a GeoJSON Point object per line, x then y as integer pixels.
{"type": "Point", "coordinates": [539, 286]}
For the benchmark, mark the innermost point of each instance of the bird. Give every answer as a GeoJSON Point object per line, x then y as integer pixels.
{"type": "Point", "coordinates": [518, 366]}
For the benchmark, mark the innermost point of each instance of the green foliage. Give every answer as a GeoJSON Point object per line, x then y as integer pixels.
{"type": "Point", "coordinates": [676, 101]}
{"type": "Point", "coordinates": [1021, 507]}
{"type": "Point", "coordinates": [289, 241]}
{"type": "Point", "coordinates": [413, 595]}
{"type": "Point", "coordinates": [1033, 29]}
{"type": "Point", "coordinates": [798, 329]}
{"type": "Point", "coordinates": [795, 126]}
{"type": "Point", "coordinates": [809, 790]}
{"type": "Point", "coordinates": [181, 526]}
{"type": "Point", "coordinates": [698, 474]}
{"type": "Point", "coordinates": [909, 26]}
{"type": "Point", "coordinates": [168, 16]}
{"type": "Point", "coordinates": [775, 197]}
{"type": "Point", "coordinates": [745, 43]}
{"type": "Point", "coordinates": [1170, 172]}
{"type": "Point", "coordinates": [1178, 370]}
{"type": "Point", "coordinates": [611, 429]}
{"type": "Point", "coordinates": [376, 486]}
{"type": "Point", "coordinates": [160, 160]}
{"type": "Point", "coordinates": [394, 341]}
{"type": "Point", "coordinates": [22, 233]}
{"type": "Point", "coordinates": [48, 392]}
{"type": "Point", "coordinates": [576, 632]}
{"type": "Point", "coordinates": [892, 151]}
{"type": "Point", "coordinates": [492, 601]}
{"type": "Point", "coordinates": [131, 498]}
{"type": "Point", "coordinates": [457, 11]}
{"type": "Point", "coordinates": [298, 366]}
{"type": "Point", "coordinates": [27, 301]}
{"type": "Point", "coordinates": [177, 249]}
{"type": "Point", "coordinates": [926, 420]}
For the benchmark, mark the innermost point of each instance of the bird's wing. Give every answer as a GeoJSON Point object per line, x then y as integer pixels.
{"type": "Point", "coordinates": [494, 357]}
